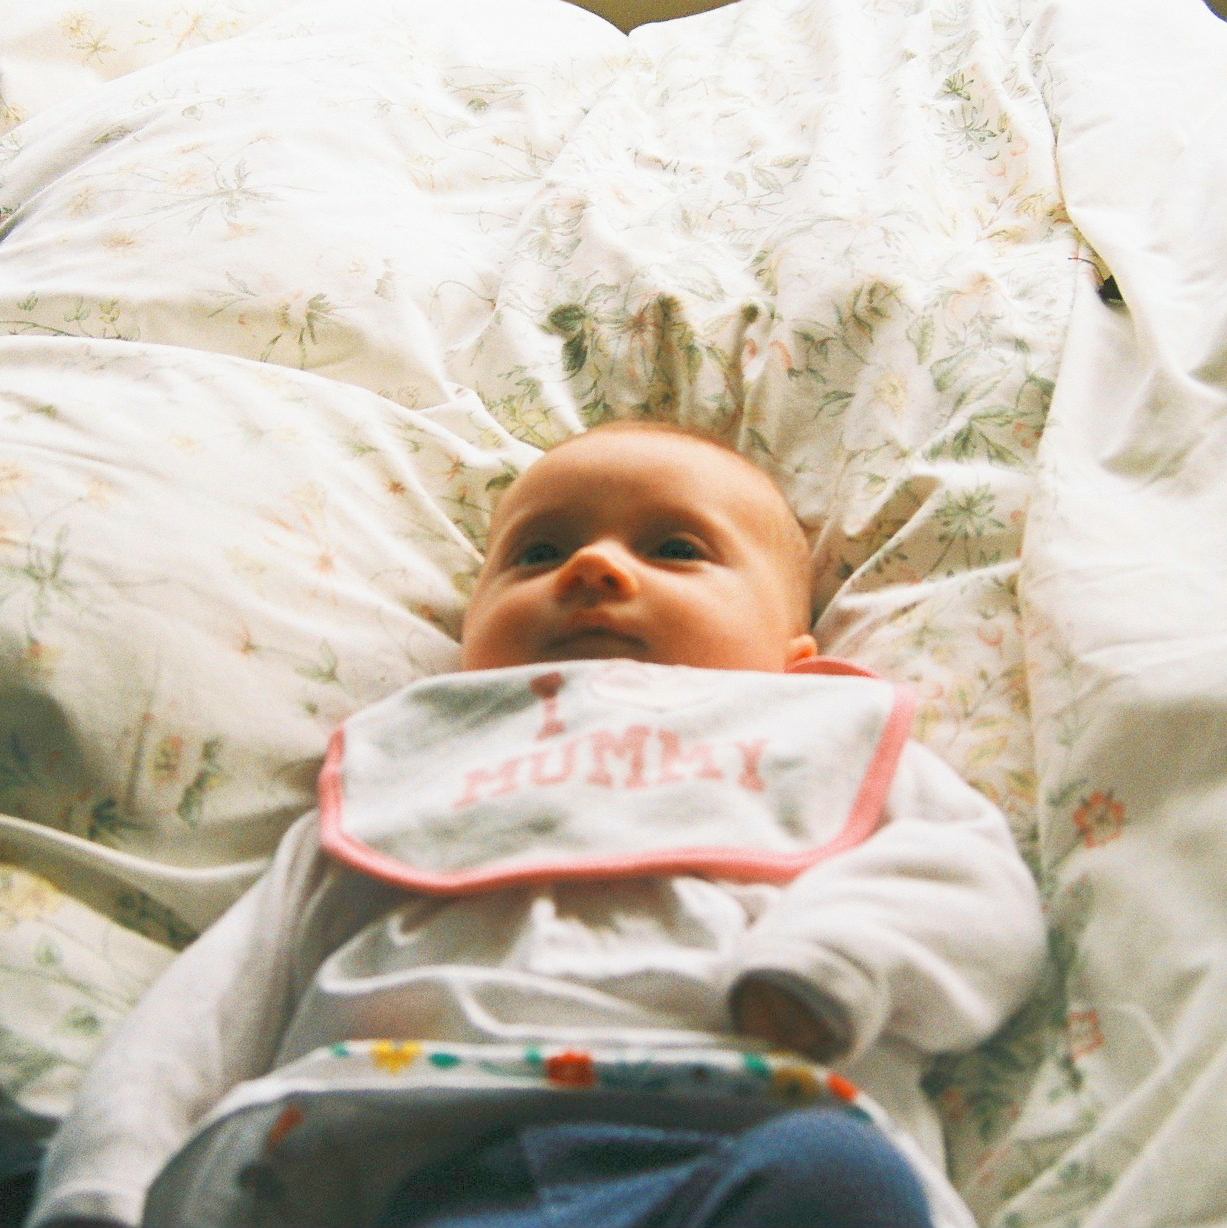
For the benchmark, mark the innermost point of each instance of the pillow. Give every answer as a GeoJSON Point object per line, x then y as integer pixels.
{"type": "Point", "coordinates": [205, 565]}
{"type": "Point", "coordinates": [57, 49]}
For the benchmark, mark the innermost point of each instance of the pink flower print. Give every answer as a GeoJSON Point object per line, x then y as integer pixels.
{"type": "Point", "coordinates": [1083, 1033]}
{"type": "Point", "coordinates": [1099, 819]}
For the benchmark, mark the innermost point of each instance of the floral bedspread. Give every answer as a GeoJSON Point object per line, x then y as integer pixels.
{"type": "Point", "coordinates": [289, 291]}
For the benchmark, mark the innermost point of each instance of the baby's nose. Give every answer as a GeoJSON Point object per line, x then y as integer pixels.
{"type": "Point", "coordinates": [602, 566]}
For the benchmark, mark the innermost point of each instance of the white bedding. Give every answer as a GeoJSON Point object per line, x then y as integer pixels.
{"type": "Point", "coordinates": [279, 316]}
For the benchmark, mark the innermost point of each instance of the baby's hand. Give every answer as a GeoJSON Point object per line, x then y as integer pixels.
{"type": "Point", "coordinates": [763, 1009]}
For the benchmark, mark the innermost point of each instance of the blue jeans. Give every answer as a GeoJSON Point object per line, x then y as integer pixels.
{"type": "Point", "coordinates": [821, 1168]}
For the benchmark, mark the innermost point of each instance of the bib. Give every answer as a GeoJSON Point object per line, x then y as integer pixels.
{"type": "Point", "coordinates": [592, 770]}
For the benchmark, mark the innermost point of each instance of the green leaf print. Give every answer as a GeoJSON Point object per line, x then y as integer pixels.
{"type": "Point", "coordinates": [76, 321]}
{"type": "Point", "coordinates": [574, 354]}
{"type": "Point", "coordinates": [17, 770]}
{"type": "Point", "coordinates": [141, 913]}
{"type": "Point", "coordinates": [501, 480]}
{"type": "Point", "coordinates": [570, 322]}
{"type": "Point", "coordinates": [324, 669]}
{"type": "Point", "coordinates": [41, 575]}
{"type": "Point", "coordinates": [965, 518]}
{"type": "Point", "coordinates": [85, 37]}
{"type": "Point", "coordinates": [566, 319]}
{"type": "Point", "coordinates": [107, 823]}
{"type": "Point", "coordinates": [209, 775]}
{"type": "Point", "coordinates": [81, 1021]}
{"type": "Point", "coordinates": [869, 306]}
{"type": "Point", "coordinates": [47, 954]}
{"type": "Point", "coordinates": [945, 371]}
{"type": "Point", "coordinates": [920, 334]}
{"type": "Point", "coordinates": [23, 1062]}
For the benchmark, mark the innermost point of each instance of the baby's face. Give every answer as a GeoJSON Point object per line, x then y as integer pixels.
{"type": "Point", "coordinates": [645, 545]}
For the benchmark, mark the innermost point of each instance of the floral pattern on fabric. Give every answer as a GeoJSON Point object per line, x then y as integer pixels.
{"type": "Point", "coordinates": [63, 47]}
{"type": "Point", "coordinates": [268, 355]}
{"type": "Point", "coordinates": [778, 1076]}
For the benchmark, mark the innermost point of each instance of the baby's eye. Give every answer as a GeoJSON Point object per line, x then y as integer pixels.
{"type": "Point", "coordinates": [679, 549]}
{"type": "Point", "coordinates": [537, 554]}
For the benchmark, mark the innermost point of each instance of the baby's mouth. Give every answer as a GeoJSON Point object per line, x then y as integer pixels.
{"type": "Point", "coordinates": [588, 636]}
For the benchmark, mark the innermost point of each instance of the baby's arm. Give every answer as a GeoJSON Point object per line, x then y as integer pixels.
{"type": "Point", "coordinates": [929, 931]}
{"type": "Point", "coordinates": [211, 1020]}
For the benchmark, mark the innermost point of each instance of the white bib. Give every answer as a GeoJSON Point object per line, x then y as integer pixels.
{"type": "Point", "coordinates": [611, 769]}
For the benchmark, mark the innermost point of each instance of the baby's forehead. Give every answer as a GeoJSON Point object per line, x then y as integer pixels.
{"type": "Point", "coordinates": [616, 445]}
{"type": "Point", "coordinates": [657, 458]}
{"type": "Point", "coordinates": [682, 469]}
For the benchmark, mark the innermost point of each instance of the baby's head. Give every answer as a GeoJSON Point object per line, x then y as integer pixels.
{"type": "Point", "coordinates": [642, 542]}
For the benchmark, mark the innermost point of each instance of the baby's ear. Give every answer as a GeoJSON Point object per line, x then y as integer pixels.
{"type": "Point", "coordinates": [799, 648]}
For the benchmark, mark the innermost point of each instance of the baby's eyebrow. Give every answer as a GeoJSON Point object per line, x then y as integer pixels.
{"type": "Point", "coordinates": [536, 522]}
{"type": "Point", "coordinates": [516, 533]}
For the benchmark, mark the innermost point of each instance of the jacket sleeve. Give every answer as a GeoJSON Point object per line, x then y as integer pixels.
{"type": "Point", "coordinates": [212, 1019]}
{"type": "Point", "coordinates": [930, 931]}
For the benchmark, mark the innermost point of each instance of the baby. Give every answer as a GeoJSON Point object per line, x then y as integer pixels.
{"type": "Point", "coordinates": [573, 928]}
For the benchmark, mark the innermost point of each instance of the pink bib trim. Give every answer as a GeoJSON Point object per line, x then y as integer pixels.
{"type": "Point", "coordinates": [739, 864]}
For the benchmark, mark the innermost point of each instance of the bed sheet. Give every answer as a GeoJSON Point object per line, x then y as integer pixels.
{"type": "Point", "coordinates": [280, 316]}
{"type": "Point", "coordinates": [1125, 621]}
{"type": "Point", "coordinates": [60, 49]}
